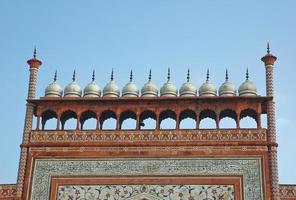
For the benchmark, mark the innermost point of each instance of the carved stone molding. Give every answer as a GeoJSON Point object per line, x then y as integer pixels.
{"type": "Point", "coordinates": [225, 135]}
{"type": "Point", "coordinates": [287, 192]}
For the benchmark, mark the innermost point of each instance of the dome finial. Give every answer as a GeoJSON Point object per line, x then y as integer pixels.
{"type": "Point", "coordinates": [149, 78]}
{"type": "Point", "coordinates": [247, 74]}
{"type": "Point", "coordinates": [93, 75]}
{"type": "Point", "coordinates": [74, 75]}
{"type": "Point", "coordinates": [226, 75]}
{"type": "Point", "coordinates": [188, 75]}
{"type": "Point", "coordinates": [112, 76]}
{"type": "Point", "coordinates": [208, 74]}
{"type": "Point", "coordinates": [55, 76]}
{"type": "Point", "coordinates": [268, 48]}
{"type": "Point", "coordinates": [35, 52]}
{"type": "Point", "coordinates": [131, 76]}
{"type": "Point", "coordinates": [169, 74]}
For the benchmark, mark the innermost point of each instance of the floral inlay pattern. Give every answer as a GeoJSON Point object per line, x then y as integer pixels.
{"type": "Point", "coordinates": [151, 192]}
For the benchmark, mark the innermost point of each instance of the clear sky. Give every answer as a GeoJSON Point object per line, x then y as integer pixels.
{"type": "Point", "coordinates": [140, 35]}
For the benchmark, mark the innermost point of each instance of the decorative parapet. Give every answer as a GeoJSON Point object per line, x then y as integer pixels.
{"type": "Point", "coordinates": [288, 192]}
{"type": "Point", "coordinates": [254, 136]}
{"type": "Point", "coordinates": [7, 191]}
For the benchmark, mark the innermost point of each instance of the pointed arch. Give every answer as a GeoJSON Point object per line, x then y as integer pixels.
{"type": "Point", "coordinates": [86, 116]}
{"type": "Point", "coordinates": [207, 123]}
{"type": "Point", "coordinates": [147, 120]}
{"type": "Point", "coordinates": [66, 116]}
{"type": "Point", "coordinates": [167, 119]}
{"type": "Point", "coordinates": [108, 120]}
{"type": "Point", "coordinates": [228, 119]}
{"type": "Point", "coordinates": [46, 116]}
{"type": "Point", "coordinates": [127, 120]}
{"type": "Point", "coordinates": [187, 119]}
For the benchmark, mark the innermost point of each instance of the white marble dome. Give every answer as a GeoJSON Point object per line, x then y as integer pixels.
{"type": "Point", "coordinates": [207, 88]}
{"type": "Point", "coordinates": [54, 89]}
{"type": "Point", "coordinates": [188, 89]}
{"type": "Point", "coordinates": [227, 88]}
{"type": "Point", "coordinates": [92, 89]}
{"type": "Point", "coordinates": [72, 89]}
{"type": "Point", "coordinates": [168, 89]}
{"type": "Point", "coordinates": [111, 89]}
{"type": "Point", "coordinates": [247, 88]}
{"type": "Point", "coordinates": [149, 89]}
{"type": "Point", "coordinates": [130, 89]}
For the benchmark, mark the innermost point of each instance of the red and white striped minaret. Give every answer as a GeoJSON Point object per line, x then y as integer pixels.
{"type": "Point", "coordinates": [34, 65]}
{"type": "Point", "coordinates": [269, 61]}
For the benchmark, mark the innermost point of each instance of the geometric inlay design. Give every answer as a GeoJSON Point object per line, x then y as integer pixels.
{"type": "Point", "coordinates": [148, 192]}
{"type": "Point", "coordinates": [248, 168]}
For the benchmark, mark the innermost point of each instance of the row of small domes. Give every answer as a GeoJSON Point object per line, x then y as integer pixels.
{"type": "Point", "coordinates": [247, 88]}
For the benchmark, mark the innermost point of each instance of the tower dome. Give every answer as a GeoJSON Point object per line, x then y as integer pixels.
{"type": "Point", "coordinates": [227, 88]}
{"type": "Point", "coordinates": [130, 89]}
{"type": "Point", "coordinates": [149, 89]}
{"type": "Point", "coordinates": [111, 89]}
{"type": "Point", "coordinates": [188, 89]}
{"type": "Point", "coordinates": [73, 89]}
{"type": "Point", "coordinates": [54, 89]}
{"type": "Point", "coordinates": [207, 88]}
{"type": "Point", "coordinates": [169, 89]}
{"type": "Point", "coordinates": [92, 89]}
{"type": "Point", "coordinates": [247, 88]}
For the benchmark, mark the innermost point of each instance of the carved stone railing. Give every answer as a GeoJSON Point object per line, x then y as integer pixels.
{"type": "Point", "coordinates": [7, 191]}
{"type": "Point", "coordinates": [195, 137]}
{"type": "Point", "coordinates": [288, 192]}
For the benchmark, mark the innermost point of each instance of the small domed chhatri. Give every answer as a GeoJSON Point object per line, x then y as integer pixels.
{"type": "Point", "coordinates": [111, 89]}
{"type": "Point", "coordinates": [130, 89]}
{"type": "Point", "coordinates": [227, 88]}
{"type": "Point", "coordinates": [92, 89]}
{"type": "Point", "coordinates": [207, 88]}
{"type": "Point", "coordinates": [54, 89]}
{"type": "Point", "coordinates": [188, 89]}
{"type": "Point", "coordinates": [169, 89]}
{"type": "Point", "coordinates": [73, 89]}
{"type": "Point", "coordinates": [247, 88]}
{"type": "Point", "coordinates": [149, 89]}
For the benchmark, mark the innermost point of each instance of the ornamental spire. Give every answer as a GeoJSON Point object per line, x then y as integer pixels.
{"type": "Point", "coordinates": [35, 53]}
{"type": "Point", "coordinates": [208, 74]}
{"type": "Point", "coordinates": [74, 76]}
{"type": "Point", "coordinates": [112, 75]}
{"type": "Point", "coordinates": [149, 77]}
{"type": "Point", "coordinates": [226, 75]}
{"type": "Point", "coordinates": [169, 74]}
{"type": "Point", "coordinates": [247, 74]}
{"type": "Point", "coordinates": [55, 76]}
{"type": "Point", "coordinates": [93, 75]}
{"type": "Point", "coordinates": [268, 48]}
{"type": "Point", "coordinates": [131, 76]}
{"type": "Point", "coordinates": [188, 75]}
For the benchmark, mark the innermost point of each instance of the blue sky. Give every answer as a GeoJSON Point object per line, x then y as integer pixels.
{"type": "Point", "coordinates": [140, 35]}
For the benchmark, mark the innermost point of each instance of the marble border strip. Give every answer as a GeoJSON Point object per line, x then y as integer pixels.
{"type": "Point", "coordinates": [248, 168]}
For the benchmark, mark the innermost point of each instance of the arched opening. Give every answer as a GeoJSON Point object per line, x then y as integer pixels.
{"type": "Point", "coordinates": [167, 119]}
{"type": "Point", "coordinates": [69, 120]}
{"type": "Point", "coordinates": [49, 120]}
{"type": "Point", "coordinates": [108, 120]}
{"type": "Point", "coordinates": [248, 118]}
{"type": "Point", "coordinates": [88, 120]}
{"type": "Point", "coordinates": [147, 120]}
{"type": "Point", "coordinates": [227, 119]}
{"type": "Point", "coordinates": [187, 119]}
{"type": "Point", "coordinates": [127, 120]}
{"type": "Point", "coordinates": [207, 119]}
